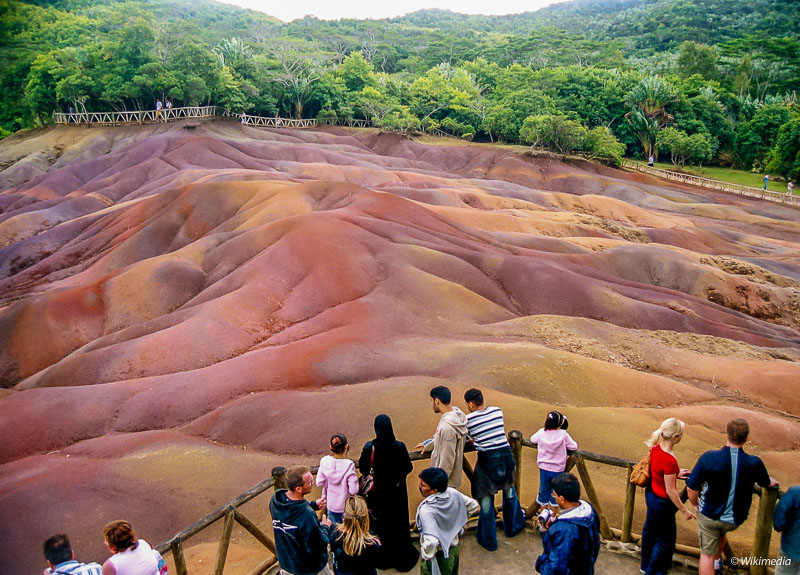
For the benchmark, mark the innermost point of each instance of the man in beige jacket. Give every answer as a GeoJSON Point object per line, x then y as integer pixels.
{"type": "Point", "coordinates": [448, 441]}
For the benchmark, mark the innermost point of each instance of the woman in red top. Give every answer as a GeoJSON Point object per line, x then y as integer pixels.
{"type": "Point", "coordinates": [659, 531]}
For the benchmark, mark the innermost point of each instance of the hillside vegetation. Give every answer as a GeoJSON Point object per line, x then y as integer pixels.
{"type": "Point", "coordinates": [604, 77]}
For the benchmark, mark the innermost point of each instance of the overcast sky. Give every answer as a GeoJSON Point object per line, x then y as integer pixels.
{"type": "Point", "coordinates": [287, 10]}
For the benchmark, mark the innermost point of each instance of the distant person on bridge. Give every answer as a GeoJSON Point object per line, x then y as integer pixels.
{"type": "Point", "coordinates": [495, 470]}
{"type": "Point", "coordinates": [158, 108]}
{"type": "Point", "coordinates": [651, 161]}
{"type": "Point", "coordinates": [786, 520]}
{"type": "Point", "coordinates": [661, 495]}
{"type": "Point", "coordinates": [720, 488]}
{"type": "Point", "coordinates": [59, 555]}
{"type": "Point", "coordinates": [301, 541]}
{"type": "Point", "coordinates": [571, 539]}
{"type": "Point", "coordinates": [553, 442]}
{"type": "Point", "coordinates": [766, 180]}
{"type": "Point", "coordinates": [131, 556]}
{"type": "Point", "coordinates": [441, 518]}
{"type": "Point", "coordinates": [448, 441]}
{"type": "Point", "coordinates": [337, 477]}
{"type": "Point", "coordinates": [388, 504]}
{"type": "Point", "coordinates": [790, 188]}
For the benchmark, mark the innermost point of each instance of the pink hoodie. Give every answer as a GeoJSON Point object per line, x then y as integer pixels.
{"type": "Point", "coordinates": [338, 480]}
{"type": "Point", "coordinates": [553, 445]}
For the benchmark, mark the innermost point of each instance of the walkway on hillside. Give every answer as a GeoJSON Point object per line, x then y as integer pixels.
{"type": "Point", "coordinates": [684, 178]}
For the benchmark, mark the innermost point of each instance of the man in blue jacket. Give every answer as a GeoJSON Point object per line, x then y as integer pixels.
{"type": "Point", "coordinates": [786, 519]}
{"type": "Point", "coordinates": [721, 490]}
{"type": "Point", "coordinates": [572, 539]}
{"type": "Point", "coordinates": [301, 541]}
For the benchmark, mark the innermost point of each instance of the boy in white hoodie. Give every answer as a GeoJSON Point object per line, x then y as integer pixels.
{"type": "Point", "coordinates": [448, 441]}
{"type": "Point", "coordinates": [337, 477]}
{"type": "Point", "coordinates": [440, 520]}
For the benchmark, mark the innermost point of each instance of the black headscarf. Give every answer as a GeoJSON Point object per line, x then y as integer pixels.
{"type": "Point", "coordinates": [384, 434]}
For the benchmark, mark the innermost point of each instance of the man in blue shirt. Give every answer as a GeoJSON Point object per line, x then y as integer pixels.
{"type": "Point", "coordinates": [786, 519]}
{"type": "Point", "coordinates": [59, 555]}
{"type": "Point", "coordinates": [721, 490]}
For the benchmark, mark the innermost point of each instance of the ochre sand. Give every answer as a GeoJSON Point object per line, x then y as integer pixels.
{"type": "Point", "coordinates": [180, 310]}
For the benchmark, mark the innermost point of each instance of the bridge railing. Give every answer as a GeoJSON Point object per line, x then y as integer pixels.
{"type": "Point", "coordinates": [135, 116]}
{"type": "Point", "coordinates": [740, 189]}
{"type": "Point", "coordinates": [232, 513]}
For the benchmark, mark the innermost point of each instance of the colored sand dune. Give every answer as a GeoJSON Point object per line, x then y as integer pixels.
{"type": "Point", "coordinates": [182, 309]}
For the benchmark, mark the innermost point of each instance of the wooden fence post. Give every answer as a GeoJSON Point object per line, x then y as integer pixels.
{"type": "Point", "coordinates": [591, 495]}
{"type": "Point", "coordinates": [279, 477]}
{"type": "Point", "coordinates": [515, 439]}
{"type": "Point", "coordinates": [224, 543]}
{"type": "Point", "coordinates": [763, 535]}
{"type": "Point", "coordinates": [177, 555]}
{"type": "Point", "coordinates": [627, 513]}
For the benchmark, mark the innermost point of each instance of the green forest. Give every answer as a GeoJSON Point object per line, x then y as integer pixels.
{"type": "Point", "coordinates": [697, 82]}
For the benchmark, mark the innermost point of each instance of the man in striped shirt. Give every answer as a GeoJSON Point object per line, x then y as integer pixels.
{"type": "Point", "coordinates": [495, 471]}
{"type": "Point", "coordinates": [61, 559]}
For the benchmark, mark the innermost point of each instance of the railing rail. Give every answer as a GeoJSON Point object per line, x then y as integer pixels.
{"type": "Point", "coordinates": [739, 189]}
{"type": "Point", "coordinates": [231, 512]}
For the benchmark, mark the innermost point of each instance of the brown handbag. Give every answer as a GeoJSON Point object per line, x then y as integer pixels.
{"type": "Point", "coordinates": [640, 474]}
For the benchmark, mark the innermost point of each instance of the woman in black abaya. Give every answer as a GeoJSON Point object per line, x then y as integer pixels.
{"type": "Point", "coordinates": [388, 504]}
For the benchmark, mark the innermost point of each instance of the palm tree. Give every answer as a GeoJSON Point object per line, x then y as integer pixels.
{"type": "Point", "coordinates": [648, 101]}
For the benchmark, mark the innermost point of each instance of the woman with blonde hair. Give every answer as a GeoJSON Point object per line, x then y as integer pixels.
{"type": "Point", "coordinates": [355, 549]}
{"type": "Point", "coordinates": [659, 531]}
{"type": "Point", "coordinates": [131, 556]}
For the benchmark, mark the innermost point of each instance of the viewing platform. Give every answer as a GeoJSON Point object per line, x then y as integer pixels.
{"type": "Point", "coordinates": [198, 547]}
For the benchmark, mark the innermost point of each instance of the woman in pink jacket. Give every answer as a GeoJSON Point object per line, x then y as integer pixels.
{"type": "Point", "coordinates": [337, 477]}
{"type": "Point", "coordinates": [553, 442]}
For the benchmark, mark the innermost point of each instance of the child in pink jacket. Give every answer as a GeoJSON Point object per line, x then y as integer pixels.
{"type": "Point", "coordinates": [337, 476]}
{"type": "Point", "coordinates": [553, 441]}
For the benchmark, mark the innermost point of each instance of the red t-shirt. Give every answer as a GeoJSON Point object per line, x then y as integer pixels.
{"type": "Point", "coordinates": [661, 464]}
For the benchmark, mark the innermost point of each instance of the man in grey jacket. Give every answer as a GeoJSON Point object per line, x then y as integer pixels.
{"type": "Point", "coordinates": [440, 520]}
{"type": "Point", "coordinates": [448, 441]}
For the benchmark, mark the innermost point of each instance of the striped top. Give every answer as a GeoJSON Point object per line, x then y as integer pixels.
{"type": "Point", "coordinates": [74, 568]}
{"type": "Point", "coordinates": [486, 428]}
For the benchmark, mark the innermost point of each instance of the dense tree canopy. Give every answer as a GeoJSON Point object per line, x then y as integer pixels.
{"type": "Point", "coordinates": [593, 76]}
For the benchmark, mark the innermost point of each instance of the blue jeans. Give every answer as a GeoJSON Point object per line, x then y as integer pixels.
{"type": "Point", "coordinates": [335, 517]}
{"type": "Point", "coordinates": [658, 534]}
{"type": "Point", "coordinates": [513, 519]}
{"type": "Point", "coordinates": [545, 496]}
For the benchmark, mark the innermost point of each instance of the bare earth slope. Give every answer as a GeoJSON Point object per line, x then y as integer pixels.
{"type": "Point", "coordinates": [182, 309]}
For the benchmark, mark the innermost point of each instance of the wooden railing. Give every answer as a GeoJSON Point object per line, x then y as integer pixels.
{"type": "Point", "coordinates": [137, 116]}
{"type": "Point", "coordinates": [740, 189]}
{"type": "Point", "coordinates": [231, 512]}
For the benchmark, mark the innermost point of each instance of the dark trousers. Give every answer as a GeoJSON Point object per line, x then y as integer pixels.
{"type": "Point", "coordinates": [658, 534]}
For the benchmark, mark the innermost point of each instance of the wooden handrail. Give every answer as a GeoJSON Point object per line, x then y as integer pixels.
{"type": "Point", "coordinates": [740, 189]}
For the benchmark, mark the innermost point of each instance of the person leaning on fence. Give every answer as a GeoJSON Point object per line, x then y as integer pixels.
{"type": "Point", "coordinates": [720, 488]}
{"type": "Point", "coordinates": [130, 556]}
{"type": "Point", "coordinates": [390, 464]}
{"type": "Point", "coordinates": [447, 444]}
{"type": "Point", "coordinates": [659, 532]}
{"type": "Point", "coordinates": [441, 518]}
{"type": "Point", "coordinates": [61, 559]}
{"type": "Point", "coordinates": [571, 539]}
{"type": "Point", "coordinates": [337, 477]}
{"type": "Point", "coordinates": [495, 471]}
{"type": "Point", "coordinates": [552, 443]}
{"type": "Point", "coordinates": [158, 108]}
{"type": "Point", "coordinates": [786, 520]}
{"type": "Point", "coordinates": [355, 550]}
{"type": "Point", "coordinates": [301, 541]}
{"type": "Point", "coordinates": [790, 188]}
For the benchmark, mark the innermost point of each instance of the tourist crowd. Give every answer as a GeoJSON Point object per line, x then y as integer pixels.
{"type": "Point", "coordinates": [364, 524]}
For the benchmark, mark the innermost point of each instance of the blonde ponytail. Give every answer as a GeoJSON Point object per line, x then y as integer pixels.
{"type": "Point", "coordinates": [669, 429]}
